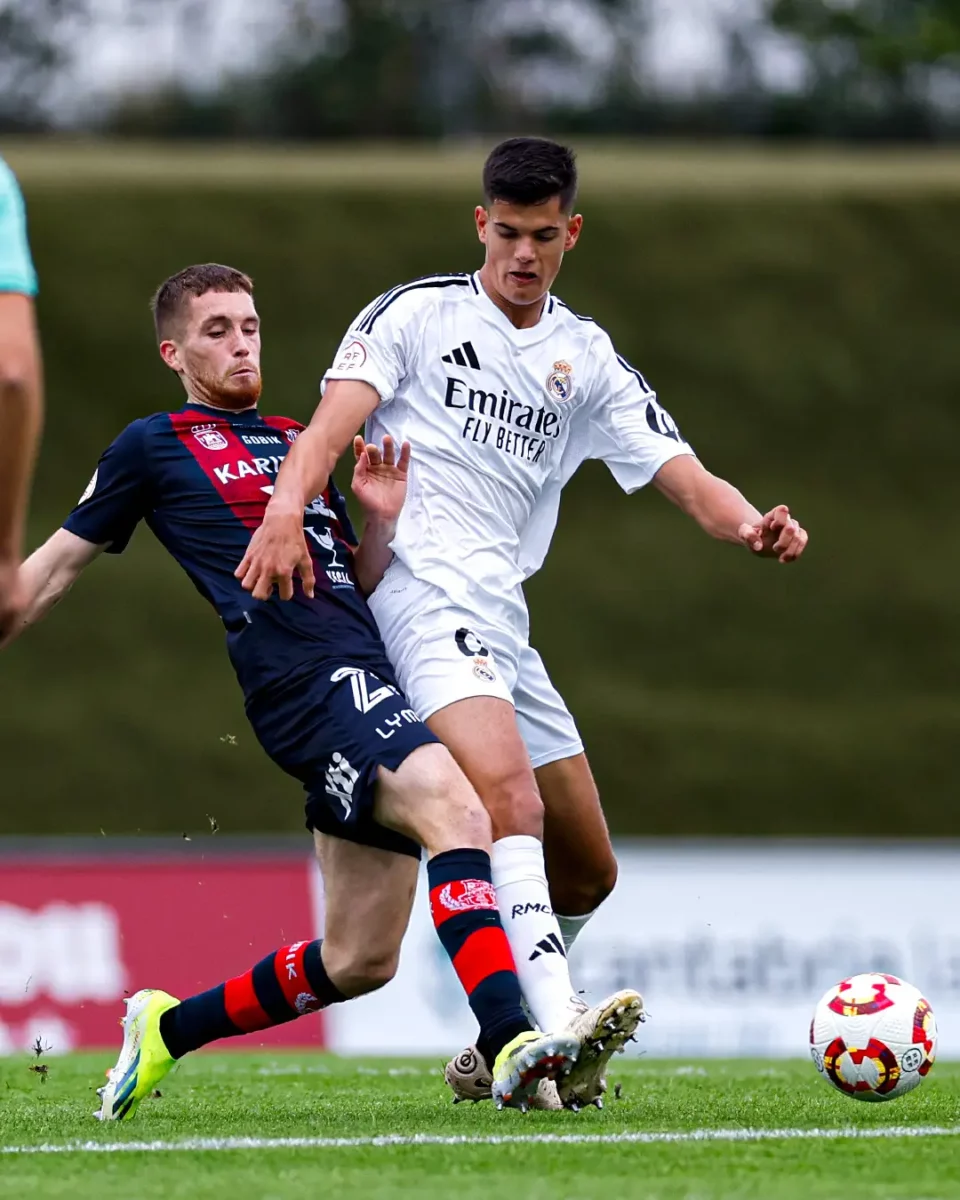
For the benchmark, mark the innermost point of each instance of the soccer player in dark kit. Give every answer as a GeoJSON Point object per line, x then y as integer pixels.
{"type": "Point", "coordinates": [321, 697]}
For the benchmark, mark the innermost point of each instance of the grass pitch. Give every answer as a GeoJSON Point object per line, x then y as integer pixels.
{"type": "Point", "coordinates": [277, 1126]}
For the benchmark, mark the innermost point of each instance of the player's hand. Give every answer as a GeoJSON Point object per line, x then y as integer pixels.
{"type": "Point", "coordinates": [777, 536]}
{"type": "Point", "coordinates": [277, 550]}
{"type": "Point", "coordinates": [380, 478]}
{"type": "Point", "coordinates": [13, 600]}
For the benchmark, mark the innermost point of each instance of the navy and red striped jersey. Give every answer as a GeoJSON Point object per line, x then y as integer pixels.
{"type": "Point", "coordinates": [201, 479]}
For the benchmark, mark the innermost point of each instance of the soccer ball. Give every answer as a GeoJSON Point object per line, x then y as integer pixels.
{"type": "Point", "coordinates": [873, 1037]}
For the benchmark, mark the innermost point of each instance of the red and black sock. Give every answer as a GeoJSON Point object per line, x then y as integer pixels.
{"type": "Point", "coordinates": [283, 986]}
{"type": "Point", "coordinates": [464, 908]}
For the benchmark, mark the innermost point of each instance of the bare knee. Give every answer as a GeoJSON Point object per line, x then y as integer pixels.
{"type": "Point", "coordinates": [575, 893]}
{"type": "Point", "coordinates": [514, 804]}
{"type": "Point", "coordinates": [482, 735]}
{"type": "Point", "coordinates": [356, 970]}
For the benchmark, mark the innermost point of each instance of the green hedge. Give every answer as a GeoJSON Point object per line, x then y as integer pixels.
{"type": "Point", "coordinates": [808, 349]}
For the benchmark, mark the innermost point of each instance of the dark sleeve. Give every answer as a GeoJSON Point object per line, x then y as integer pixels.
{"type": "Point", "coordinates": [116, 497]}
{"type": "Point", "coordinates": [339, 506]}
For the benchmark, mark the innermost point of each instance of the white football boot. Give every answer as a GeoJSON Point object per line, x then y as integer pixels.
{"type": "Point", "coordinates": [602, 1031]}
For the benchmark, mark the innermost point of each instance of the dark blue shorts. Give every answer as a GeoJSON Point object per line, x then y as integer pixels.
{"type": "Point", "coordinates": [331, 728]}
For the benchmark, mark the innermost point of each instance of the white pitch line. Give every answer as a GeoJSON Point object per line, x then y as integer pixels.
{"type": "Point", "coordinates": [507, 1139]}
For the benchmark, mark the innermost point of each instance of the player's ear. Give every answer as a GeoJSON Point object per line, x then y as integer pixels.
{"type": "Point", "coordinates": [481, 217]}
{"type": "Point", "coordinates": [574, 225]}
{"type": "Point", "coordinates": [170, 355]}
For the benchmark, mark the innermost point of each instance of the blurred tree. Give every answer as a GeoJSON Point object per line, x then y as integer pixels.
{"type": "Point", "coordinates": [544, 62]}
{"type": "Point", "coordinates": [406, 68]}
{"type": "Point", "coordinates": [874, 57]}
{"type": "Point", "coordinates": [34, 46]}
{"type": "Point", "coordinates": [333, 68]}
{"type": "Point", "coordinates": [366, 78]}
{"type": "Point", "coordinates": [418, 67]}
{"type": "Point", "coordinates": [886, 36]}
{"type": "Point", "coordinates": [426, 68]}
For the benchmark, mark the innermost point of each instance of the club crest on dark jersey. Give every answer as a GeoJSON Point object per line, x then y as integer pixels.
{"type": "Point", "coordinates": [209, 437]}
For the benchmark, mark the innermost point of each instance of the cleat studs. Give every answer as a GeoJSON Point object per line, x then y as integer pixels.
{"type": "Point", "coordinates": [457, 1099]}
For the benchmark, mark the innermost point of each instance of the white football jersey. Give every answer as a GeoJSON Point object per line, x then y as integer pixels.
{"type": "Point", "coordinates": [499, 419]}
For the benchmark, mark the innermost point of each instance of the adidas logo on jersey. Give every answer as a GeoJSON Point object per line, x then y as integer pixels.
{"type": "Point", "coordinates": [463, 356]}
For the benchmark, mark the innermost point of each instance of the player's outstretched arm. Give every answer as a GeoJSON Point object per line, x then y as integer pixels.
{"type": "Point", "coordinates": [720, 510]}
{"type": "Point", "coordinates": [47, 576]}
{"type": "Point", "coordinates": [278, 548]}
{"type": "Point", "coordinates": [380, 485]}
{"type": "Point", "coordinates": [21, 411]}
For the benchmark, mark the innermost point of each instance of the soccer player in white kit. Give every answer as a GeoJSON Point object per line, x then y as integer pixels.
{"type": "Point", "coordinates": [503, 392]}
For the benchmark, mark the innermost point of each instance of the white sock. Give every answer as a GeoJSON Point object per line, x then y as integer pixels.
{"type": "Point", "coordinates": [571, 928]}
{"type": "Point", "coordinates": [523, 897]}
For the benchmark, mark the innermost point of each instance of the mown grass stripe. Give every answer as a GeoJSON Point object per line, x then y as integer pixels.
{"type": "Point", "coordinates": [387, 1141]}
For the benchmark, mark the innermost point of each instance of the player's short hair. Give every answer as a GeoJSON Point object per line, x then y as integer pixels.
{"type": "Point", "coordinates": [528, 170]}
{"type": "Point", "coordinates": [173, 294]}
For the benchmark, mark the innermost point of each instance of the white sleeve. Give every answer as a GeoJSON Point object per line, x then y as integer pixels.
{"type": "Point", "coordinates": [626, 425]}
{"type": "Point", "coordinates": [378, 346]}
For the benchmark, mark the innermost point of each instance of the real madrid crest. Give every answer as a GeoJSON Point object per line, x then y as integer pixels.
{"type": "Point", "coordinates": [560, 381]}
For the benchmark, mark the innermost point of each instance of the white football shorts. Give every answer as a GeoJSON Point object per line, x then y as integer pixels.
{"type": "Point", "coordinates": [443, 654]}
